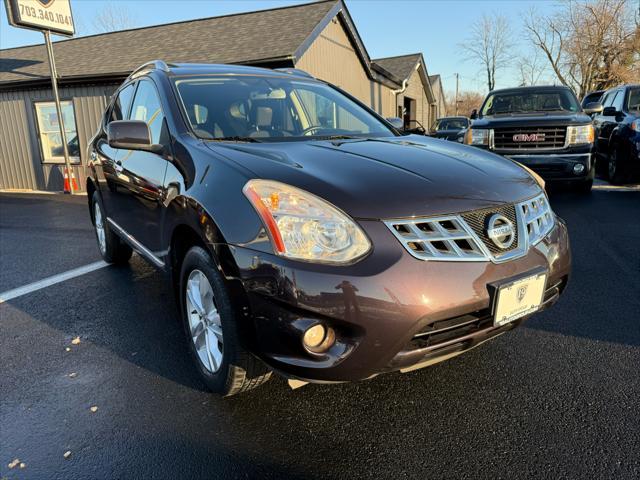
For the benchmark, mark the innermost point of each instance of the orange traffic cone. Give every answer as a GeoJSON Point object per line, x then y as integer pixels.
{"type": "Point", "coordinates": [66, 181]}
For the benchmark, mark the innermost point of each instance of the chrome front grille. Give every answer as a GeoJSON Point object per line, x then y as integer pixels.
{"type": "Point", "coordinates": [464, 237]}
{"type": "Point", "coordinates": [442, 238]}
{"type": "Point", "coordinates": [537, 218]}
{"type": "Point", "coordinates": [533, 138]}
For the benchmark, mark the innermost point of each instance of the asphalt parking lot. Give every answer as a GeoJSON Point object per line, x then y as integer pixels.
{"type": "Point", "coordinates": [557, 398]}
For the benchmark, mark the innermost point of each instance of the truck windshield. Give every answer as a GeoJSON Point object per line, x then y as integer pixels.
{"type": "Point", "coordinates": [528, 101]}
{"type": "Point", "coordinates": [264, 108]}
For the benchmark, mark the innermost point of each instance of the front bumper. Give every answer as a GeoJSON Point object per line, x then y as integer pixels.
{"type": "Point", "coordinates": [559, 166]}
{"type": "Point", "coordinates": [381, 306]}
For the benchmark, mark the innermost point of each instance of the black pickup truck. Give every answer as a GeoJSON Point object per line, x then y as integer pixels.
{"type": "Point", "coordinates": [543, 128]}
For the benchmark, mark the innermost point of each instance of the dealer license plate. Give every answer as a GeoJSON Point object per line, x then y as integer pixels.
{"type": "Point", "coordinates": [519, 298]}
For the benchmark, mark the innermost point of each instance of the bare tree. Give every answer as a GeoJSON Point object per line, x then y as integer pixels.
{"type": "Point", "coordinates": [530, 67]}
{"type": "Point", "coordinates": [489, 44]}
{"type": "Point", "coordinates": [113, 18]}
{"type": "Point", "coordinates": [467, 101]}
{"type": "Point", "coordinates": [589, 45]}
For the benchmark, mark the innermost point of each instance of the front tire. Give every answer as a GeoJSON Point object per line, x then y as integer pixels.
{"type": "Point", "coordinates": [210, 323]}
{"type": "Point", "coordinates": [112, 248]}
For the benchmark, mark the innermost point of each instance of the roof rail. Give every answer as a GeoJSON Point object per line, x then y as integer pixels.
{"type": "Point", "coordinates": [152, 65]}
{"type": "Point", "coordinates": [295, 71]}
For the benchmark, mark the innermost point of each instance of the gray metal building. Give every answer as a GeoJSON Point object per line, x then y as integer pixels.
{"type": "Point", "coordinates": [319, 37]}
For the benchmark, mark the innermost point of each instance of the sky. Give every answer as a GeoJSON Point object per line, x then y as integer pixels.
{"type": "Point", "coordinates": [387, 27]}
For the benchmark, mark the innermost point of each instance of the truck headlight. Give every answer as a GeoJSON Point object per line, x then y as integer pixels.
{"type": "Point", "coordinates": [477, 137]}
{"type": "Point", "coordinates": [305, 227]}
{"type": "Point", "coordinates": [581, 134]}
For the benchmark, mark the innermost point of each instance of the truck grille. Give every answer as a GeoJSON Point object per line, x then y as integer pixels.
{"type": "Point", "coordinates": [534, 138]}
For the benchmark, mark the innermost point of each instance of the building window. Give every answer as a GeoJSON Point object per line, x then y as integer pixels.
{"type": "Point", "coordinates": [50, 138]}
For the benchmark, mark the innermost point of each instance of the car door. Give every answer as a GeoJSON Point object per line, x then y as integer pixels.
{"type": "Point", "coordinates": [138, 199]}
{"type": "Point", "coordinates": [106, 155]}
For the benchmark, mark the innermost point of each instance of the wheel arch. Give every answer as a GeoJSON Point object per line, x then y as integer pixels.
{"type": "Point", "coordinates": [90, 188]}
{"type": "Point", "coordinates": [185, 235]}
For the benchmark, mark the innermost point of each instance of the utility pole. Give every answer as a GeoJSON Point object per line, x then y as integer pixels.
{"type": "Point", "coordinates": [457, 78]}
{"type": "Point", "coordinates": [56, 97]}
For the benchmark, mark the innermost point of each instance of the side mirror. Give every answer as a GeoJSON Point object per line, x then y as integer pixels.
{"type": "Point", "coordinates": [131, 135]}
{"type": "Point", "coordinates": [474, 114]}
{"type": "Point", "coordinates": [396, 123]}
{"type": "Point", "coordinates": [609, 112]}
{"type": "Point", "coordinates": [592, 108]}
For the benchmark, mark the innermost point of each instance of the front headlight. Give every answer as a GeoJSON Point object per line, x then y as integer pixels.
{"type": "Point", "coordinates": [305, 227]}
{"type": "Point", "coordinates": [477, 137]}
{"type": "Point", "coordinates": [581, 134]}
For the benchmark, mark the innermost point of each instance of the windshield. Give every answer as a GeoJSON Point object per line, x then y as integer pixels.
{"type": "Point", "coordinates": [528, 101]}
{"type": "Point", "coordinates": [255, 108]}
{"type": "Point", "coordinates": [633, 105]}
{"type": "Point", "coordinates": [450, 124]}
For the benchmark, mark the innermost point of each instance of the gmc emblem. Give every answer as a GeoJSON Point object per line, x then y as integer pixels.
{"type": "Point", "coordinates": [529, 137]}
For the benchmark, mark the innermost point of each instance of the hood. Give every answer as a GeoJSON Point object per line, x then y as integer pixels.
{"type": "Point", "coordinates": [536, 119]}
{"type": "Point", "coordinates": [388, 177]}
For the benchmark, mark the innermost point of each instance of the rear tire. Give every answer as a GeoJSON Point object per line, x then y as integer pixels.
{"type": "Point", "coordinates": [111, 247]}
{"type": "Point", "coordinates": [210, 324]}
{"type": "Point", "coordinates": [616, 167]}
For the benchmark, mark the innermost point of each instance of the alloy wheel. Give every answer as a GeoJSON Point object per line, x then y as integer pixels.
{"type": "Point", "coordinates": [204, 321]}
{"type": "Point", "coordinates": [100, 233]}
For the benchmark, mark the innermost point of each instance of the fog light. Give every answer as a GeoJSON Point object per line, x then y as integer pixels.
{"type": "Point", "coordinates": [318, 338]}
{"type": "Point", "coordinates": [314, 336]}
{"type": "Point", "coordinates": [578, 168]}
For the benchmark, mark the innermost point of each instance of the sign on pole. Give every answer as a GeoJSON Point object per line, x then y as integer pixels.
{"type": "Point", "coordinates": [48, 16]}
{"type": "Point", "coordinates": [52, 15]}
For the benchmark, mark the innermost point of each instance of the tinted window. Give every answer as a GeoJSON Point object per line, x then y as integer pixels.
{"type": "Point", "coordinates": [120, 108]}
{"type": "Point", "coordinates": [633, 102]}
{"type": "Point", "coordinates": [147, 107]}
{"type": "Point", "coordinates": [272, 108]}
{"type": "Point", "coordinates": [618, 101]}
{"type": "Point", "coordinates": [608, 99]}
{"type": "Point", "coordinates": [526, 101]}
{"type": "Point", "coordinates": [450, 124]}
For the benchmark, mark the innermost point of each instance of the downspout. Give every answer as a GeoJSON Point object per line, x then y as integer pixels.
{"type": "Point", "coordinates": [405, 82]}
{"type": "Point", "coordinates": [395, 93]}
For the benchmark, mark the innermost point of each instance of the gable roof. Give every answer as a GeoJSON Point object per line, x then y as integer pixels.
{"type": "Point", "coordinates": [401, 66]}
{"type": "Point", "coordinates": [268, 36]}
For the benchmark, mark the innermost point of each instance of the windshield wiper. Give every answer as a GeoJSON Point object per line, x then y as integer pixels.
{"type": "Point", "coordinates": [235, 139]}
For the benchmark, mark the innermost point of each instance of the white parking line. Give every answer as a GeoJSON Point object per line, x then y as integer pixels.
{"type": "Point", "coordinates": [47, 282]}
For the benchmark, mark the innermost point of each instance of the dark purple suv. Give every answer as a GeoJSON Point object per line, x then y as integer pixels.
{"type": "Point", "coordinates": [305, 235]}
